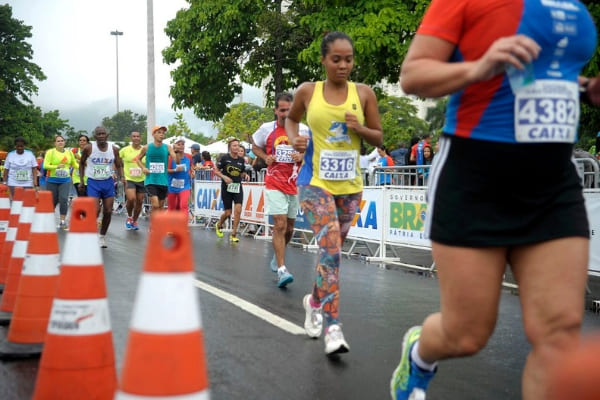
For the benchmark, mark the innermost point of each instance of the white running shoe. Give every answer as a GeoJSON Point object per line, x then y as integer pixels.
{"type": "Point", "coordinates": [334, 341]}
{"type": "Point", "coordinates": [313, 322]}
{"type": "Point", "coordinates": [103, 242]}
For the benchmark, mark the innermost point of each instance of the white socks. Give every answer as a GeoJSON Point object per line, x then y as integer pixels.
{"type": "Point", "coordinates": [414, 355]}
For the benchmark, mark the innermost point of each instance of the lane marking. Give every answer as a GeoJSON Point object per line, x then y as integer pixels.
{"type": "Point", "coordinates": [252, 309]}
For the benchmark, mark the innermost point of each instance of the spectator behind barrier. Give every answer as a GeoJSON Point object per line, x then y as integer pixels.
{"type": "Point", "coordinates": [399, 154]}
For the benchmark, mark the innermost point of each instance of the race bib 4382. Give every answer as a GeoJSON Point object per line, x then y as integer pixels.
{"type": "Point", "coordinates": [547, 111]}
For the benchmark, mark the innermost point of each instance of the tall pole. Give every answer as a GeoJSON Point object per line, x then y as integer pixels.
{"type": "Point", "coordinates": [116, 34]}
{"type": "Point", "coordinates": [150, 104]}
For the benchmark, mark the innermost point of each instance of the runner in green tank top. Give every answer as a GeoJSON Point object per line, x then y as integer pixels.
{"type": "Point", "coordinates": [157, 154]}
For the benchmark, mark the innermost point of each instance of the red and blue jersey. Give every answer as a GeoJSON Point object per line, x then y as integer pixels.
{"type": "Point", "coordinates": [486, 110]}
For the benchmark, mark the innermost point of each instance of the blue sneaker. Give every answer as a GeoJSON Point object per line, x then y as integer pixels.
{"type": "Point", "coordinates": [273, 264]}
{"type": "Point", "coordinates": [285, 278]}
{"type": "Point", "coordinates": [409, 381]}
{"type": "Point", "coordinates": [129, 224]}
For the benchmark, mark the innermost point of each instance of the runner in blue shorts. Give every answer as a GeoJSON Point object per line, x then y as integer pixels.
{"type": "Point", "coordinates": [97, 160]}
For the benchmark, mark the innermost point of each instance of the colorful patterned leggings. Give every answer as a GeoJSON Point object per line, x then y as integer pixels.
{"type": "Point", "coordinates": [330, 217]}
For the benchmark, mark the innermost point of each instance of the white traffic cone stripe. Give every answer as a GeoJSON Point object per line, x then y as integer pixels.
{"type": "Point", "coordinates": [11, 234]}
{"type": "Point", "coordinates": [4, 202]}
{"type": "Point", "coordinates": [82, 250]}
{"type": "Point", "coordinates": [19, 249]}
{"type": "Point", "coordinates": [43, 223]}
{"type": "Point", "coordinates": [79, 317]}
{"type": "Point", "coordinates": [166, 303]}
{"type": "Point", "coordinates": [204, 395]}
{"type": "Point", "coordinates": [26, 216]}
{"type": "Point", "coordinates": [3, 227]}
{"type": "Point", "coordinates": [16, 207]}
{"type": "Point", "coordinates": [41, 265]}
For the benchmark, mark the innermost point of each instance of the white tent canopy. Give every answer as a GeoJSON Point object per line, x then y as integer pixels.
{"type": "Point", "coordinates": [188, 143]}
{"type": "Point", "coordinates": [220, 147]}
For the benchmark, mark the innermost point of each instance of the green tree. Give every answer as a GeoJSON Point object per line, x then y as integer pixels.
{"type": "Point", "coordinates": [17, 72]}
{"type": "Point", "coordinates": [399, 120]}
{"type": "Point", "coordinates": [17, 84]}
{"type": "Point", "coordinates": [589, 122]}
{"type": "Point", "coordinates": [214, 42]}
{"type": "Point", "coordinates": [243, 120]}
{"type": "Point", "coordinates": [181, 128]}
{"type": "Point", "coordinates": [436, 116]}
{"type": "Point", "coordinates": [123, 123]}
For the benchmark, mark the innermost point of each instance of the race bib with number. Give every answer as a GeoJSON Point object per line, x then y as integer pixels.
{"type": "Point", "coordinates": [233, 187]}
{"type": "Point", "coordinates": [101, 172]}
{"type": "Point", "coordinates": [22, 175]}
{"type": "Point", "coordinates": [547, 111]}
{"type": "Point", "coordinates": [135, 172]}
{"type": "Point", "coordinates": [178, 183]}
{"type": "Point", "coordinates": [337, 165]}
{"type": "Point", "coordinates": [283, 153]}
{"type": "Point", "coordinates": [157, 168]}
{"type": "Point", "coordinates": [62, 173]}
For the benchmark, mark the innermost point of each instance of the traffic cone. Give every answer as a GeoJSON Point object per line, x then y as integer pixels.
{"type": "Point", "coordinates": [15, 264]}
{"type": "Point", "coordinates": [11, 233]}
{"type": "Point", "coordinates": [4, 218]}
{"type": "Point", "coordinates": [78, 360]}
{"type": "Point", "coordinates": [165, 356]}
{"type": "Point", "coordinates": [37, 286]}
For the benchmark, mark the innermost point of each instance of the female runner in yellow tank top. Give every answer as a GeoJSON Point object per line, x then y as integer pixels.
{"type": "Point", "coordinates": [339, 113]}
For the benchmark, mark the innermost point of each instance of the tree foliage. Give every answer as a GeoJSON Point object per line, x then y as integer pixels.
{"type": "Point", "coordinates": [18, 76]}
{"type": "Point", "coordinates": [17, 72]}
{"type": "Point", "coordinates": [589, 123]}
{"type": "Point", "coordinates": [181, 128]}
{"type": "Point", "coordinates": [399, 120]}
{"type": "Point", "coordinates": [243, 120]}
{"type": "Point", "coordinates": [214, 42]}
{"type": "Point", "coordinates": [120, 125]}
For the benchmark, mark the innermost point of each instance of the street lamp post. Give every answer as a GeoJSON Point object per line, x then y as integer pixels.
{"type": "Point", "coordinates": [116, 34]}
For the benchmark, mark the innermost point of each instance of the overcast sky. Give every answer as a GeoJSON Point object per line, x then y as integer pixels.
{"type": "Point", "coordinates": [73, 46]}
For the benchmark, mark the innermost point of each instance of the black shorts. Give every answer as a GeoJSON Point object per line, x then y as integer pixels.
{"type": "Point", "coordinates": [499, 194]}
{"type": "Point", "coordinates": [159, 191]}
{"type": "Point", "coordinates": [138, 186]}
{"type": "Point", "coordinates": [231, 198]}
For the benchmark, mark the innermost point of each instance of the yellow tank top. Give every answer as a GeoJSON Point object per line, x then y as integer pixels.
{"type": "Point", "coordinates": [335, 155]}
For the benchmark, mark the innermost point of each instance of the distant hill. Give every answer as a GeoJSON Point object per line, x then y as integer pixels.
{"type": "Point", "coordinates": [88, 116]}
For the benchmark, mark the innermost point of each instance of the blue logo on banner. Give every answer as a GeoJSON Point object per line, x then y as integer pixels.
{"type": "Point", "coordinates": [208, 199]}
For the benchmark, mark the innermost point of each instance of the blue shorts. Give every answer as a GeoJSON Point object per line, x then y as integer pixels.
{"type": "Point", "coordinates": [102, 189]}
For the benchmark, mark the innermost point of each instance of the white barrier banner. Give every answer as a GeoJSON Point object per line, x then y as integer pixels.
{"type": "Point", "coordinates": [208, 203]}
{"type": "Point", "coordinates": [253, 207]}
{"type": "Point", "coordinates": [368, 221]}
{"type": "Point", "coordinates": [405, 211]}
{"type": "Point", "coordinates": [592, 203]}
{"type": "Point", "coordinates": [207, 199]}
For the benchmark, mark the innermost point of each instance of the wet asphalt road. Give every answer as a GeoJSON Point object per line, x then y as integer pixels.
{"type": "Point", "coordinates": [249, 358]}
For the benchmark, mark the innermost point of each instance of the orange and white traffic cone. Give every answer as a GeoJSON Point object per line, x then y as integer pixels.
{"type": "Point", "coordinates": [4, 218]}
{"type": "Point", "coordinates": [15, 264]}
{"type": "Point", "coordinates": [37, 286]}
{"type": "Point", "coordinates": [165, 356]}
{"type": "Point", "coordinates": [11, 233]}
{"type": "Point", "coordinates": [78, 360]}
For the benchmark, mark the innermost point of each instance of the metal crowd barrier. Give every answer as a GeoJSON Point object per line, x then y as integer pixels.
{"type": "Point", "coordinates": [404, 175]}
{"type": "Point", "coordinates": [417, 175]}
{"type": "Point", "coordinates": [589, 171]}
